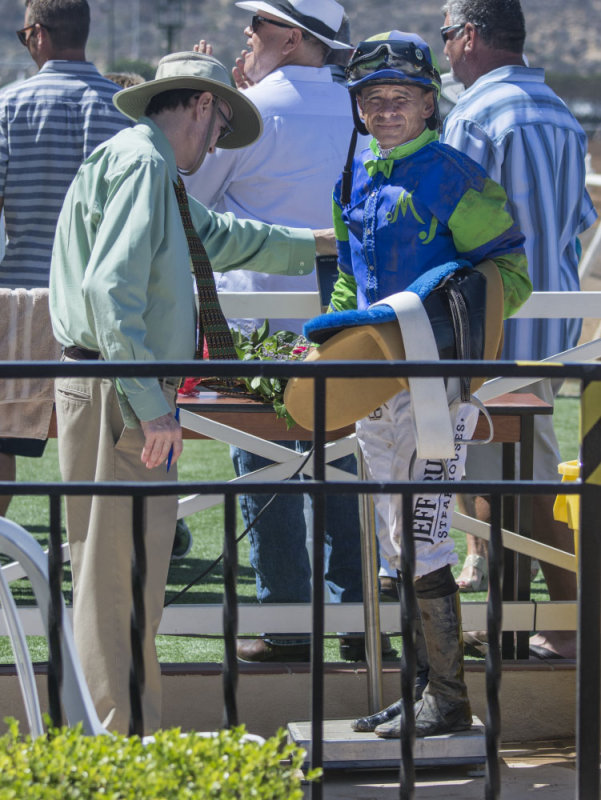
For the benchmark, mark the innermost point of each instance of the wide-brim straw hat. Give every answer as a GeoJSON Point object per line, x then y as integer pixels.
{"type": "Point", "coordinates": [320, 18]}
{"type": "Point", "coordinates": [190, 70]}
{"type": "Point", "coordinates": [350, 399]}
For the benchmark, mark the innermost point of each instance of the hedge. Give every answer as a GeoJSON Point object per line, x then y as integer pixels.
{"type": "Point", "coordinates": [64, 764]}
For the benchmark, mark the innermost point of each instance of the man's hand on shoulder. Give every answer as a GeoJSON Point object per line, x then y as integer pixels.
{"type": "Point", "coordinates": [325, 242]}
{"type": "Point", "coordinates": [161, 434]}
{"type": "Point", "coordinates": [241, 80]}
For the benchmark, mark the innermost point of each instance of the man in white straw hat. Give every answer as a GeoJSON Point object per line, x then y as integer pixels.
{"type": "Point", "coordinates": [121, 289]}
{"type": "Point", "coordinates": [287, 177]}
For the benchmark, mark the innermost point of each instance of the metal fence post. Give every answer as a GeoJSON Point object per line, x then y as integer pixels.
{"type": "Point", "coordinates": [317, 677]}
{"type": "Point", "coordinates": [371, 603]}
{"type": "Point", "coordinates": [589, 606]}
{"type": "Point", "coordinates": [230, 613]}
{"type": "Point", "coordinates": [137, 676]}
{"type": "Point", "coordinates": [55, 614]}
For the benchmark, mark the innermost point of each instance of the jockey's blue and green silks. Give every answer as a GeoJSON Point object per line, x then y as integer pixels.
{"type": "Point", "coordinates": [424, 205]}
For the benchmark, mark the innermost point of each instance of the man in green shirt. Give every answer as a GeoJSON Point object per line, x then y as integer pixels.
{"type": "Point", "coordinates": [121, 289]}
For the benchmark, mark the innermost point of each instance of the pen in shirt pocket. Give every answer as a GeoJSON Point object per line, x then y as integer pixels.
{"type": "Point", "coordinates": [170, 456]}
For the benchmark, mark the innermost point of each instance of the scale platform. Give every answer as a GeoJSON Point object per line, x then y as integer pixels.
{"type": "Point", "coordinates": [344, 748]}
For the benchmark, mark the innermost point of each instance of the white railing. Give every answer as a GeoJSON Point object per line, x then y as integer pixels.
{"type": "Point", "coordinates": [206, 619]}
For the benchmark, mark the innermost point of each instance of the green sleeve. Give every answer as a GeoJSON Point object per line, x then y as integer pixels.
{"type": "Point", "coordinates": [344, 293]}
{"type": "Point", "coordinates": [517, 287]}
{"type": "Point", "coordinates": [482, 228]}
{"type": "Point", "coordinates": [339, 226]}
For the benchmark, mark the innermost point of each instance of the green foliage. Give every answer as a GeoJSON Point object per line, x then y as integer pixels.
{"type": "Point", "coordinates": [280, 346]}
{"type": "Point", "coordinates": [66, 765]}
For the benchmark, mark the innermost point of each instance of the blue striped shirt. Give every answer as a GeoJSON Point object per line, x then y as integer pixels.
{"type": "Point", "coordinates": [524, 136]}
{"type": "Point", "coordinates": [48, 125]}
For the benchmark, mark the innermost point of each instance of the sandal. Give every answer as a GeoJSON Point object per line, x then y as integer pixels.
{"type": "Point", "coordinates": [474, 575]}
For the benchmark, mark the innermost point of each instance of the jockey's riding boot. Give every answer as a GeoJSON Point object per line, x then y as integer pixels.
{"type": "Point", "coordinates": [444, 706]}
{"type": "Point", "coordinates": [370, 723]}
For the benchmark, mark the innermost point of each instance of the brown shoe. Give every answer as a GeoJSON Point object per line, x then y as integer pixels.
{"type": "Point", "coordinates": [261, 650]}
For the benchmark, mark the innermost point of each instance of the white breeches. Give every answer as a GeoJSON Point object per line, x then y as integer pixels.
{"type": "Point", "coordinates": [387, 441]}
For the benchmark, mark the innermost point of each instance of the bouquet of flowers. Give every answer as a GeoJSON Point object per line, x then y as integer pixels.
{"type": "Point", "coordinates": [260, 345]}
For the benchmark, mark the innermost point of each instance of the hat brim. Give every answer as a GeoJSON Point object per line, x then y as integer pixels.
{"type": "Point", "coordinates": [246, 120]}
{"type": "Point", "coordinates": [248, 5]}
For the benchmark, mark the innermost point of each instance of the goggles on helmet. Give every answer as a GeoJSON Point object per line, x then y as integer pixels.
{"type": "Point", "coordinates": [404, 57]}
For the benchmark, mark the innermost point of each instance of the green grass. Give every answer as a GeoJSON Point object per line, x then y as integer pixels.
{"type": "Point", "coordinates": [208, 460]}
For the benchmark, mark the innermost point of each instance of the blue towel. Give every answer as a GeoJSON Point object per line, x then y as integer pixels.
{"type": "Point", "coordinates": [320, 329]}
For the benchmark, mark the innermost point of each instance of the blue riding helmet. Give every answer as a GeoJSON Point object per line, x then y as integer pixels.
{"type": "Point", "coordinates": [393, 57]}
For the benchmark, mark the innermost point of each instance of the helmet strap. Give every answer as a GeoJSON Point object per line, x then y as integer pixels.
{"type": "Point", "coordinates": [347, 172]}
{"type": "Point", "coordinates": [359, 124]}
{"type": "Point", "coordinates": [434, 122]}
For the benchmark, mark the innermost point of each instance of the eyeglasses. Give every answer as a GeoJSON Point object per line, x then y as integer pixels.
{"type": "Point", "coordinates": [370, 57]}
{"type": "Point", "coordinates": [447, 29]}
{"type": "Point", "coordinates": [226, 128]}
{"type": "Point", "coordinates": [257, 20]}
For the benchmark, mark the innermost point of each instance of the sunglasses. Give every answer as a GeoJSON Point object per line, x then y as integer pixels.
{"type": "Point", "coordinates": [370, 57]}
{"type": "Point", "coordinates": [22, 34]}
{"type": "Point", "coordinates": [258, 20]}
{"type": "Point", "coordinates": [448, 29]}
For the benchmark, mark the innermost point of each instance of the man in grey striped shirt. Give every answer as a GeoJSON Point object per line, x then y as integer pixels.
{"type": "Point", "coordinates": [48, 125]}
{"type": "Point", "coordinates": [515, 126]}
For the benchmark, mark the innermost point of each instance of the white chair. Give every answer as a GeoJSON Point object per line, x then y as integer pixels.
{"type": "Point", "coordinates": [17, 543]}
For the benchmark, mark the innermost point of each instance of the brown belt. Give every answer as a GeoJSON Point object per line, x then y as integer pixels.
{"type": "Point", "coordinates": [78, 353]}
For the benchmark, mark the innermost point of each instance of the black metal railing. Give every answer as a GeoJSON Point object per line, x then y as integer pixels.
{"type": "Point", "coordinates": [589, 489]}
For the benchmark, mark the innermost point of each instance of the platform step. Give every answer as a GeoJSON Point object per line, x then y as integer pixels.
{"type": "Point", "coordinates": [344, 748]}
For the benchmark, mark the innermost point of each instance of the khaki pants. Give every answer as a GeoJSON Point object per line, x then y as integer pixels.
{"type": "Point", "coordinates": [95, 445]}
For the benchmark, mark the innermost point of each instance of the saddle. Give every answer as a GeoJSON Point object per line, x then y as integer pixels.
{"type": "Point", "coordinates": [454, 311]}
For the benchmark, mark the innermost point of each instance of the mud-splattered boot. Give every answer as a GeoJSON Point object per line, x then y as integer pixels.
{"type": "Point", "coordinates": [444, 706]}
{"type": "Point", "coordinates": [370, 723]}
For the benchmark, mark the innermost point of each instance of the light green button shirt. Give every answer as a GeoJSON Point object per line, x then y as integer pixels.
{"type": "Point", "coordinates": [121, 280]}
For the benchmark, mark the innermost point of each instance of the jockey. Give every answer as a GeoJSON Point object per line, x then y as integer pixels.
{"type": "Point", "coordinates": [405, 206]}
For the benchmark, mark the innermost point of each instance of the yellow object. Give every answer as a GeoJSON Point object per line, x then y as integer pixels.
{"type": "Point", "coordinates": [567, 506]}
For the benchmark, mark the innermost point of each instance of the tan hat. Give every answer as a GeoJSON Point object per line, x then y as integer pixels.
{"type": "Point", "coordinates": [351, 399]}
{"type": "Point", "coordinates": [190, 70]}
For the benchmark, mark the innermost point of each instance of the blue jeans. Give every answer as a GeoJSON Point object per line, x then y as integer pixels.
{"type": "Point", "coordinates": [278, 552]}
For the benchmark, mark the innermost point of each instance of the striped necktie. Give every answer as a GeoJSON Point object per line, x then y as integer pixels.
{"type": "Point", "coordinates": [212, 325]}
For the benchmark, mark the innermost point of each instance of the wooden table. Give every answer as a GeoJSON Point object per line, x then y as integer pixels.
{"type": "Point", "coordinates": [248, 415]}
{"type": "Point", "coordinates": [511, 413]}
